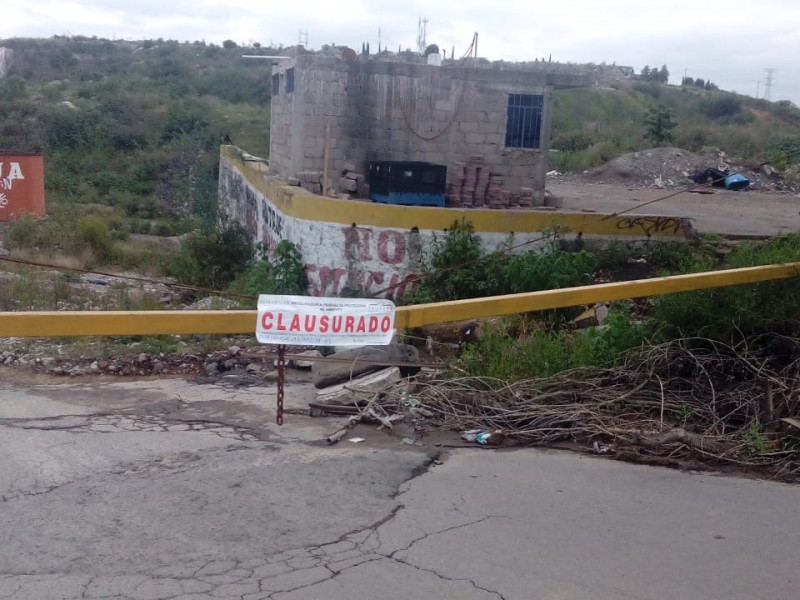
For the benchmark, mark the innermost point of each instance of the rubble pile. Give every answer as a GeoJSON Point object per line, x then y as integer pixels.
{"type": "Point", "coordinates": [352, 184]}
{"type": "Point", "coordinates": [668, 168]}
{"type": "Point", "coordinates": [43, 360]}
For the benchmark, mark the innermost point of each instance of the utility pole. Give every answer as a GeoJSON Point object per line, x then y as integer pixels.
{"type": "Point", "coordinates": [768, 83]}
{"type": "Point", "coordinates": [302, 39]}
{"type": "Point", "coordinates": [758, 87]}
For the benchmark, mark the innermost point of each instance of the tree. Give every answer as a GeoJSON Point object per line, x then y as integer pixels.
{"type": "Point", "coordinates": [229, 44]}
{"type": "Point", "coordinates": [700, 82]}
{"type": "Point", "coordinates": [663, 74]}
{"type": "Point", "coordinates": [645, 73]}
{"type": "Point", "coordinates": [687, 81]}
{"type": "Point", "coordinates": [659, 123]}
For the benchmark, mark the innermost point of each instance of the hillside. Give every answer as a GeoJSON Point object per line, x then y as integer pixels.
{"type": "Point", "coordinates": [132, 127]}
{"type": "Point", "coordinates": [593, 125]}
{"type": "Point", "coordinates": [131, 130]}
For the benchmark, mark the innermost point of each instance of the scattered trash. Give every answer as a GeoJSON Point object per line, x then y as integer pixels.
{"type": "Point", "coordinates": [410, 441]}
{"type": "Point", "coordinates": [737, 182]}
{"type": "Point", "coordinates": [553, 173]}
{"type": "Point", "coordinates": [483, 437]}
{"type": "Point", "coordinates": [356, 440]}
{"type": "Point", "coordinates": [601, 448]}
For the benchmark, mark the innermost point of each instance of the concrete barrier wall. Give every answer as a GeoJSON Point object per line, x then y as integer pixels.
{"type": "Point", "coordinates": [352, 246]}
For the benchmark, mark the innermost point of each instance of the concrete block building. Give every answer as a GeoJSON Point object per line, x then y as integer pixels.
{"type": "Point", "coordinates": [489, 125]}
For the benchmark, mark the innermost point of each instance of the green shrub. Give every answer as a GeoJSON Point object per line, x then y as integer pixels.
{"type": "Point", "coordinates": [457, 267]}
{"type": "Point", "coordinates": [543, 353]}
{"type": "Point", "coordinates": [729, 314]}
{"type": "Point", "coordinates": [213, 260]}
{"type": "Point", "coordinates": [283, 273]}
{"type": "Point", "coordinates": [93, 233]}
{"type": "Point", "coordinates": [549, 270]}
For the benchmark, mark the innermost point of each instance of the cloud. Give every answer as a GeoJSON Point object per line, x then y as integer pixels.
{"type": "Point", "coordinates": [731, 46]}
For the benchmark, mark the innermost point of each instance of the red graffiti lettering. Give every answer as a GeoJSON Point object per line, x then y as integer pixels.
{"type": "Point", "coordinates": [325, 281]}
{"type": "Point", "coordinates": [357, 243]}
{"type": "Point", "coordinates": [397, 241]}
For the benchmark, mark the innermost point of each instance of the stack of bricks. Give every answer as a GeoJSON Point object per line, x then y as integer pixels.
{"type": "Point", "coordinates": [310, 180]}
{"type": "Point", "coordinates": [495, 194]}
{"type": "Point", "coordinates": [352, 184]}
{"type": "Point", "coordinates": [472, 184]}
{"type": "Point", "coordinates": [455, 188]}
{"type": "Point", "coordinates": [482, 187]}
{"type": "Point", "coordinates": [526, 197]}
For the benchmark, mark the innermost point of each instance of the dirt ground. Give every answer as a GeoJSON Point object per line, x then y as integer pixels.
{"type": "Point", "coordinates": [734, 214]}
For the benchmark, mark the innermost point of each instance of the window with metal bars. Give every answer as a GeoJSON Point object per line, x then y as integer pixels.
{"type": "Point", "coordinates": [289, 80]}
{"type": "Point", "coordinates": [524, 121]}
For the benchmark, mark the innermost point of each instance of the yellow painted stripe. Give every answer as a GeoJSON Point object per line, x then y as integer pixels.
{"type": "Point", "coordinates": [299, 203]}
{"type": "Point", "coordinates": [56, 324]}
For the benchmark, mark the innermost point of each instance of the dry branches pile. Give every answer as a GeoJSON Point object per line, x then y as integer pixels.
{"type": "Point", "coordinates": [687, 402]}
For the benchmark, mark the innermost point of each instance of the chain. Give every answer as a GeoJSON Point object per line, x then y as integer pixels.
{"type": "Point", "coordinates": [281, 378]}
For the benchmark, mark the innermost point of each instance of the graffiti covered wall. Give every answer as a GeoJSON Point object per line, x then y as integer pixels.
{"type": "Point", "coordinates": [359, 247]}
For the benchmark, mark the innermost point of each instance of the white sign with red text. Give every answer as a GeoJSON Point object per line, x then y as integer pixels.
{"type": "Point", "coordinates": [312, 321]}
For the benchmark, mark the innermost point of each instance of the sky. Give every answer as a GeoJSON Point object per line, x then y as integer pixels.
{"type": "Point", "coordinates": [731, 43]}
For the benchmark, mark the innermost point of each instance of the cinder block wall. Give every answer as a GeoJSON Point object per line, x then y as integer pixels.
{"type": "Point", "coordinates": [386, 110]}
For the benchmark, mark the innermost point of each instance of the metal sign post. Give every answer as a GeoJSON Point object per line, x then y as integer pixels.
{"type": "Point", "coordinates": [309, 321]}
{"type": "Point", "coordinates": [281, 380]}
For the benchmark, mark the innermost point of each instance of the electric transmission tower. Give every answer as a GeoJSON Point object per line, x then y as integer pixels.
{"type": "Point", "coordinates": [768, 84]}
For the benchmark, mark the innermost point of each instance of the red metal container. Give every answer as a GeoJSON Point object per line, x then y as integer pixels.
{"type": "Point", "coordinates": [21, 185]}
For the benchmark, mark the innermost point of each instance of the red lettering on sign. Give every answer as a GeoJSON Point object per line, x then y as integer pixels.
{"type": "Point", "coordinates": [324, 322]}
{"type": "Point", "coordinates": [349, 324]}
{"type": "Point", "coordinates": [337, 324]}
{"type": "Point", "coordinates": [266, 321]}
{"type": "Point", "coordinates": [311, 322]}
{"type": "Point", "coordinates": [281, 326]}
{"type": "Point", "coordinates": [362, 325]}
{"type": "Point", "coordinates": [386, 324]}
{"type": "Point", "coordinates": [373, 324]}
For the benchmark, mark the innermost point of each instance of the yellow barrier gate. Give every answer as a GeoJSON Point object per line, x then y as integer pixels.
{"type": "Point", "coordinates": [82, 323]}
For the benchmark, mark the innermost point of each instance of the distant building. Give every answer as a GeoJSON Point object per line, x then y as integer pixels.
{"type": "Point", "coordinates": [489, 125]}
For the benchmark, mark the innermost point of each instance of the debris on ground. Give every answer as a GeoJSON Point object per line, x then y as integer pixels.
{"type": "Point", "coordinates": [483, 437]}
{"type": "Point", "coordinates": [345, 365]}
{"type": "Point", "coordinates": [670, 168]}
{"type": "Point", "coordinates": [685, 403]}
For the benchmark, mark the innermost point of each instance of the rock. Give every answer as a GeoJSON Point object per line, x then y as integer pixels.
{"type": "Point", "coordinates": [234, 350]}
{"type": "Point", "coordinates": [211, 368]}
{"type": "Point", "coordinates": [229, 364]}
{"type": "Point", "coordinates": [331, 373]}
{"type": "Point", "coordinates": [158, 367]}
{"type": "Point", "coordinates": [94, 367]}
{"type": "Point", "coordinates": [254, 368]}
{"type": "Point", "coordinates": [305, 364]}
{"type": "Point", "coordinates": [348, 392]}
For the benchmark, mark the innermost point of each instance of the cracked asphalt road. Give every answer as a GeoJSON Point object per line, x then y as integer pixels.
{"type": "Point", "coordinates": [167, 489]}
